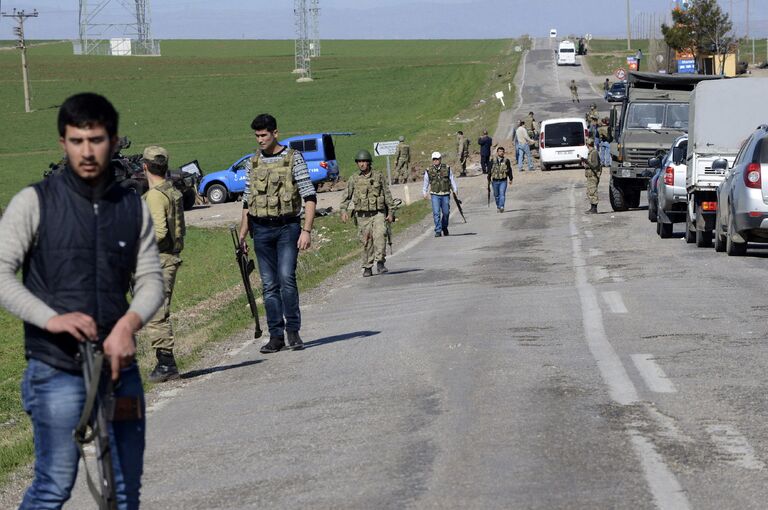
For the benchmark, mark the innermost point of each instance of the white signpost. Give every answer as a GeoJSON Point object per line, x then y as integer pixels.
{"type": "Point", "coordinates": [386, 149]}
{"type": "Point", "coordinates": [500, 96]}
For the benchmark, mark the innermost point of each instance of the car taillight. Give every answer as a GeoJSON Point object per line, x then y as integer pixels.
{"type": "Point", "coordinates": [709, 206]}
{"type": "Point", "coordinates": [541, 140]}
{"type": "Point", "coordinates": [324, 164]}
{"type": "Point", "coordinates": [669, 176]}
{"type": "Point", "coordinates": [752, 178]}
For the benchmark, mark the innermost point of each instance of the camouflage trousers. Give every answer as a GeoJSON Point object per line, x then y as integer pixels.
{"type": "Point", "coordinates": [463, 163]}
{"type": "Point", "coordinates": [159, 329]}
{"type": "Point", "coordinates": [401, 172]}
{"type": "Point", "coordinates": [574, 95]}
{"type": "Point", "coordinates": [593, 181]}
{"type": "Point", "coordinates": [372, 229]}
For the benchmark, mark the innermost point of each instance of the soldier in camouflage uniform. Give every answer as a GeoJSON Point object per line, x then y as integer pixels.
{"type": "Point", "coordinates": [593, 119]}
{"type": "Point", "coordinates": [402, 161]}
{"type": "Point", "coordinates": [574, 92]}
{"type": "Point", "coordinates": [462, 152]}
{"type": "Point", "coordinates": [166, 207]}
{"type": "Point", "coordinates": [592, 173]}
{"type": "Point", "coordinates": [371, 203]}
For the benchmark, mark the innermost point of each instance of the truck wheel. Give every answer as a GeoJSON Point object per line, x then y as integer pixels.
{"type": "Point", "coordinates": [217, 194]}
{"type": "Point", "coordinates": [703, 238]}
{"type": "Point", "coordinates": [665, 230]}
{"type": "Point", "coordinates": [616, 197]}
{"type": "Point", "coordinates": [690, 233]}
{"type": "Point", "coordinates": [719, 237]}
{"type": "Point", "coordinates": [633, 198]}
{"type": "Point", "coordinates": [732, 248]}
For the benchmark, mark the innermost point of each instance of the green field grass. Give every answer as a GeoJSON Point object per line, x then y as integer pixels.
{"type": "Point", "coordinates": [198, 100]}
{"type": "Point", "coordinates": [607, 55]}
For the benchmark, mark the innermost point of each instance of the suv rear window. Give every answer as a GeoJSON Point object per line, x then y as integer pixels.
{"type": "Point", "coordinates": [564, 134]}
{"type": "Point", "coordinates": [763, 149]}
{"type": "Point", "coordinates": [308, 145]}
{"type": "Point", "coordinates": [330, 150]}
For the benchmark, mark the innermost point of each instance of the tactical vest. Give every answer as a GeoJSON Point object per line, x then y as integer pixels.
{"type": "Point", "coordinates": [499, 169]}
{"type": "Point", "coordinates": [528, 123]}
{"type": "Point", "coordinates": [174, 219]}
{"type": "Point", "coordinates": [604, 133]}
{"type": "Point", "coordinates": [439, 179]}
{"type": "Point", "coordinates": [368, 195]}
{"type": "Point", "coordinates": [273, 192]}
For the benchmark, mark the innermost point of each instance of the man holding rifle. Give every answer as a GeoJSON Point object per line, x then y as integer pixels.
{"type": "Point", "coordinates": [79, 238]}
{"type": "Point", "coordinates": [276, 184]}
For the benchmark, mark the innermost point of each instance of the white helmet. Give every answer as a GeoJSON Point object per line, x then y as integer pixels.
{"type": "Point", "coordinates": [436, 155]}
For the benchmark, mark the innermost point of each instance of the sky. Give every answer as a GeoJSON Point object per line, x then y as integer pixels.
{"type": "Point", "coordinates": [370, 19]}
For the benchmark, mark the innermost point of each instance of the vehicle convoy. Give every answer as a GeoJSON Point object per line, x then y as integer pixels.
{"type": "Point", "coordinates": [129, 174]}
{"type": "Point", "coordinates": [652, 115]}
{"type": "Point", "coordinates": [722, 115]}
{"type": "Point", "coordinates": [319, 153]}
{"type": "Point", "coordinates": [566, 54]}
{"type": "Point", "coordinates": [742, 198]}
{"type": "Point", "coordinates": [562, 142]}
{"type": "Point", "coordinates": [670, 196]}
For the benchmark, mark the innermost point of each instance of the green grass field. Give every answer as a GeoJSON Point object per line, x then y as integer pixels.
{"type": "Point", "coordinates": [607, 55]}
{"type": "Point", "coordinates": [198, 100]}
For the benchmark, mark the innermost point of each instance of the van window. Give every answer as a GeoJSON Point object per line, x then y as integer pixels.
{"type": "Point", "coordinates": [564, 134]}
{"type": "Point", "coordinates": [567, 50]}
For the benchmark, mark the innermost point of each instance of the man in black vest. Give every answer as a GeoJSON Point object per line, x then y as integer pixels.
{"type": "Point", "coordinates": [79, 238]}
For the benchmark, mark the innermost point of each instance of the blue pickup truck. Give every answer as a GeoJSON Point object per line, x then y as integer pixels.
{"type": "Point", "coordinates": [319, 153]}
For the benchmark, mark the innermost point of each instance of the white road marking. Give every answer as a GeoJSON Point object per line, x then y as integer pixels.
{"type": "Point", "coordinates": [664, 487]}
{"type": "Point", "coordinates": [600, 273]}
{"type": "Point", "coordinates": [654, 377]}
{"type": "Point", "coordinates": [729, 440]}
{"type": "Point", "coordinates": [666, 490]}
{"type": "Point", "coordinates": [613, 299]}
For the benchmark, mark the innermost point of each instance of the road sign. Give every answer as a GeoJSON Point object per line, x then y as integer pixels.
{"type": "Point", "coordinates": [632, 63]}
{"type": "Point", "coordinates": [588, 37]}
{"type": "Point", "coordinates": [686, 66]}
{"type": "Point", "coordinates": [385, 148]}
{"type": "Point", "coordinates": [620, 74]}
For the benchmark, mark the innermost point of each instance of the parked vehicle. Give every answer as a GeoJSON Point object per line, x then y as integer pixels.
{"type": "Point", "coordinates": [566, 54]}
{"type": "Point", "coordinates": [671, 199]}
{"type": "Point", "coordinates": [319, 153]}
{"type": "Point", "coordinates": [553, 33]}
{"type": "Point", "coordinates": [652, 191]}
{"type": "Point", "coordinates": [653, 114]}
{"type": "Point", "coordinates": [617, 92]}
{"type": "Point", "coordinates": [562, 142]}
{"type": "Point", "coordinates": [722, 114]}
{"type": "Point", "coordinates": [742, 215]}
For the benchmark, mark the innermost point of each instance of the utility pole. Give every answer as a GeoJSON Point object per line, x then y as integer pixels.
{"type": "Point", "coordinates": [21, 44]}
{"type": "Point", "coordinates": [629, 29]}
{"type": "Point", "coordinates": [301, 44]}
{"type": "Point", "coordinates": [747, 20]}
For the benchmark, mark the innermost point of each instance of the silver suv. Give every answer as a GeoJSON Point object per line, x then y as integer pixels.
{"type": "Point", "coordinates": [742, 198]}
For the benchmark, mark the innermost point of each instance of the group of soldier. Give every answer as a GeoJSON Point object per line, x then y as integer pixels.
{"type": "Point", "coordinates": [599, 155]}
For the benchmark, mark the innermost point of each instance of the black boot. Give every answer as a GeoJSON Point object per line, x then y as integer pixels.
{"type": "Point", "coordinates": [275, 344]}
{"type": "Point", "coordinates": [367, 272]}
{"type": "Point", "coordinates": [381, 268]}
{"type": "Point", "coordinates": [592, 209]}
{"type": "Point", "coordinates": [445, 232]}
{"type": "Point", "coordinates": [294, 340]}
{"type": "Point", "coordinates": [166, 368]}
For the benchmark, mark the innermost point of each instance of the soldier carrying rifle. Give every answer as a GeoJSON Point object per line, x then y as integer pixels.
{"type": "Point", "coordinates": [79, 238]}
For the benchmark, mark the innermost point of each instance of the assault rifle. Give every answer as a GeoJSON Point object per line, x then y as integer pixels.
{"type": "Point", "coordinates": [398, 204]}
{"type": "Point", "coordinates": [458, 206]}
{"type": "Point", "coordinates": [247, 267]}
{"type": "Point", "coordinates": [99, 408]}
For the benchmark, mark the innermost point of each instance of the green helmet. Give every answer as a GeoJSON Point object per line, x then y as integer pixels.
{"type": "Point", "coordinates": [363, 155]}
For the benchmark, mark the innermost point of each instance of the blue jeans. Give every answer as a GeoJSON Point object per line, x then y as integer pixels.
{"type": "Point", "coordinates": [523, 149]}
{"type": "Point", "coordinates": [277, 253]}
{"type": "Point", "coordinates": [441, 210]}
{"type": "Point", "coordinates": [54, 400]}
{"type": "Point", "coordinates": [499, 191]}
{"type": "Point", "coordinates": [605, 153]}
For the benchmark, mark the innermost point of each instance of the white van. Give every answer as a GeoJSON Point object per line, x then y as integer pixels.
{"type": "Point", "coordinates": [566, 54]}
{"type": "Point", "coordinates": [562, 142]}
{"type": "Point", "coordinates": [553, 33]}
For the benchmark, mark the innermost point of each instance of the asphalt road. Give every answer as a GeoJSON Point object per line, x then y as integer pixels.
{"type": "Point", "coordinates": [536, 359]}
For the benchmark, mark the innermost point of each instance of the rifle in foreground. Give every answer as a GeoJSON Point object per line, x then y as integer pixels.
{"type": "Point", "coordinates": [458, 205]}
{"type": "Point", "coordinates": [93, 427]}
{"type": "Point", "coordinates": [489, 188]}
{"type": "Point", "coordinates": [247, 267]}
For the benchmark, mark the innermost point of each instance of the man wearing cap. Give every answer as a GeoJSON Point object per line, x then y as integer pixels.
{"type": "Point", "coordinates": [438, 183]}
{"type": "Point", "coordinates": [166, 207]}
{"type": "Point", "coordinates": [402, 161]}
{"type": "Point", "coordinates": [373, 207]}
{"type": "Point", "coordinates": [592, 171]}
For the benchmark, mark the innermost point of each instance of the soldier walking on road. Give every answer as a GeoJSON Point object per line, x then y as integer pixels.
{"type": "Point", "coordinates": [485, 142]}
{"type": "Point", "coordinates": [78, 238]}
{"type": "Point", "coordinates": [574, 92]}
{"type": "Point", "coordinates": [402, 161]}
{"type": "Point", "coordinates": [373, 207]}
{"type": "Point", "coordinates": [501, 171]}
{"type": "Point", "coordinates": [592, 173]}
{"type": "Point", "coordinates": [166, 207]}
{"type": "Point", "coordinates": [462, 151]}
{"type": "Point", "coordinates": [523, 146]}
{"type": "Point", "coordinates": [438, 183]}
{"type": "Point", "coordinates": [277, 181]}
{"type": "Point", "coordinates": [604, 150]}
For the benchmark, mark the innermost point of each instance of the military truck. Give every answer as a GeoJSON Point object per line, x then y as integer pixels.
{"type": "Point", "coordinates": [653, 114]}
{"type": "Point", "coordinates": [130, 175]}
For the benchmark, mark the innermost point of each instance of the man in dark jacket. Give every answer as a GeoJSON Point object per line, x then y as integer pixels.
{"type": "Point", "coordinates": [485, 142]}
{"type": "Point", "coordinates": [79, 238]}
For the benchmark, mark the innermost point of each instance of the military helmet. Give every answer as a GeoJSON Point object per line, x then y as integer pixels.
{"type": "Point", "coordinates": [594, 105]}
{"type": "Point", "coordinates": [363, 155]}
{"type": "Point", "coordinates": [402, 138]}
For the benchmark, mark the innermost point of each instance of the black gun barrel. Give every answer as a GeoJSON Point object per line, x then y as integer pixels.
{"type": "Point", "coordinates": [246, 266]}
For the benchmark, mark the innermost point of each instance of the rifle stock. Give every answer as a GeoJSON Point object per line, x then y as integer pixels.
{"type": "Point", "coordinates": [247, 266]}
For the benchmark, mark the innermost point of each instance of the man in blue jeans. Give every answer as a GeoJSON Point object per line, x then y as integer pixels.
{"type": "Point", "coordinates": [501, 171]}
{"type": "Point", "coordinates": [79, 237]}
{"type": "Point", "coordinates": [277, 183]}
{"type": "Point", "coordinates": [523, 142]}
{"type": "Point", "coordinates": [438, 183]}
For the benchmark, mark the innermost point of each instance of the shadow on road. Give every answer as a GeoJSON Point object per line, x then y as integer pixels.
{"type": "Point", "coordinates": [464, 234]}
{"type": "Point", "coordinates": [205, 371]}
{"type": "Point", "coordinates": [403, 271]}
{"type": "Point", "coordinates": [340, 338]}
